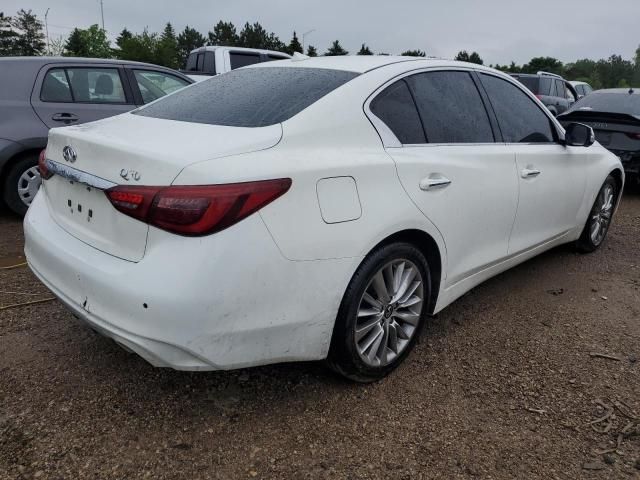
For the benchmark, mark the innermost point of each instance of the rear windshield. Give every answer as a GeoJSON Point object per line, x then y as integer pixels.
{"type": "Point", "coordinates": [251, 97]}
{"type": "Point", "coordinates": [530, 82]}
{"type": "Point", "coordinates": [626, 103]}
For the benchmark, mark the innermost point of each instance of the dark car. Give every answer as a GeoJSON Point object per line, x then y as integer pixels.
{"type": "Point", "coordinates": [614, 115]}
{"type": "Point", "coordinates": [39, 93]}
{"type": "Point", "coordinates": [554, 91]}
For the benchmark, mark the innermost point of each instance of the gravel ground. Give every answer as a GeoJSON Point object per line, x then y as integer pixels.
{"type": "Point", "coordinates": [503, 384]}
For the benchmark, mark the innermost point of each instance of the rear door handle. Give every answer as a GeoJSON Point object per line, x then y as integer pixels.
{"type": "Point", "coordinates": [434, 181]}
{"type": "Point", "coordinates": [64, 117]}
{"type": "Point", "coordinates": [529, 172]}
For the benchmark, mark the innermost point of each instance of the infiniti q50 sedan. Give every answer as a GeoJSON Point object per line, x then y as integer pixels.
{"type": "Point", "coordinates": [309, 209]}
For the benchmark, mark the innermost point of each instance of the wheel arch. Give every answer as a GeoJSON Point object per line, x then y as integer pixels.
{"type": "Point", "coordinates": [429, 248]}
{"type": "Point", "coordinates": [5, 167]}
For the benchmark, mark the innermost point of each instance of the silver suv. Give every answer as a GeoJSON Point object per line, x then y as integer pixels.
{"type": "Point", "coordinates": [554, 91]}
{"type": "Point", "coordinates": [39, 93]}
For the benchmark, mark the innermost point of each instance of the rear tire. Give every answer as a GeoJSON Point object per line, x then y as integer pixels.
{"type": "Point", "coordinates": [21, 184]}
{"type": "Point", "coordinates": [600, 216]}
{"type": "Point", "coordinates": [381, 314]}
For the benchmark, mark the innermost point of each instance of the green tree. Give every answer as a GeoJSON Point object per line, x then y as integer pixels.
{"type": "Point", "coordinates": [294, 45]}
{"type": "Point", "coordinates": [312, 51]}
{"type": "Point", "coordinates": [30, 37]}
{"type": "Point", "coordinates": [636, 74]}
{"type": "Point", "coordinates": [583, 68]}
{"type": "Point", "coordinates": [364, 50]}
{"type": "Point", "coordinates": [224, 33]}
{"type": "Point", "coordinates": [475, 58]}
{"type": "Point", "coordinates": [335, 50]}
{"type": "Point", "coordinates": [413, 53]}
{"type": "Point", "coordinates": [462, 56]}
{"type": "Point", "coordinates": [188, 40]}
{"type": "Point", "coordinates": [167, 48]}
{"type": "Point", "coordinates": [472, 57]}
{"type": "Point", "coordinates": [611, 71]}
{"type": "Point", "coordinates": [91, 42]}
{"type": "Point", "coordinates": [545, 64]}
{"type": "Point", "coordinates": [8, 36]}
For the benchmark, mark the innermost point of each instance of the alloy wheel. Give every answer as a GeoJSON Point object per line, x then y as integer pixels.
{"type": "Point", "coordinates": [601, 214]}
{"type": "Point", "coordinates": [28, 185]}
{"type": "Point", "coordinates": [389, 312]}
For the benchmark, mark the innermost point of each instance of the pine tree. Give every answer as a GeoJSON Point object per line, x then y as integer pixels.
{"type": "Point", "coordinates": [413, 53]}
{"type": "Point", "coordinates": [224, 33]}
{"type": "Point", "coordinates": [475, 58]}
{"type": "Point", "coordinates": [188, 40]}
{"type": "Point", "coordinates": [167, 48]}
{"type": "Point", "coordinates": [365, 50]}
{"type": "Point", "coordinates": [335, 50]}
{"type": "Point", "coordinates": [312, 51]}
{"type": "Point", "coordinates": [253, 36]}
{"type": "Point", "coordinates": [294, 45]}
{"type": "Point", "coordinates": [30, 38]}
{"type": "Point", "coordinates": [8, 36]}
{"type": "Point", "coordinates": [75, 44]}
{"type": "Point", "coordinates": [91, 42]}
{"type": "Point", "coordinates": [462, 56]}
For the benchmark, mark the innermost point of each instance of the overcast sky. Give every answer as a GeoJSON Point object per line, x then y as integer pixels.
{"type": "Point", "coordinates": [500, 30]}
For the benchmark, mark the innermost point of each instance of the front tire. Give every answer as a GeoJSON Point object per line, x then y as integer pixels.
{"type": "Point", "coordinates": [21, 184]}
{"type": "Point", "coordinates": [599, 220]}
{"type": "Point", "coordinates": [382, 313]}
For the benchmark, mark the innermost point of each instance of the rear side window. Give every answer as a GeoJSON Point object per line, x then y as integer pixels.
{"type": "Point", "coordinates": [545, 86]}
{"type": "Point", "coordinates": [396, 108]}
{"type": "Point", "coordinates": [560, 90]}
{"type": "Point", "coordinates": [533, 84]}
{"type": "Point", "coordinates": [243, 59]}
{"type": "Point", "coordinates": [254, 97]}
{"type": "Point", "coordinates": [451, 108]}
{"type": "Point", "coordinates": [520, 119]}
{"type": "Point", "coordinates": [87, 85]}
{"type": "Point", "coordinates": [154, 84]}
{"type": "Point", "coordinates": [55, 87]}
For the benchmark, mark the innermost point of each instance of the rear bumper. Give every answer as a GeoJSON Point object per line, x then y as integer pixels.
{"type": "Point", "coordinates": [224, 301]}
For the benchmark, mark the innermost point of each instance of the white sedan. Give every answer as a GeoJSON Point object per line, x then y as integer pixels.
{"type": "Point", "coordinates": [309, 209]}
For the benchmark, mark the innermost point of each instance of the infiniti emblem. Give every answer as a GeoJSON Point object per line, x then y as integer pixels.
{"type": "Point", "coordinates": [69, 154]}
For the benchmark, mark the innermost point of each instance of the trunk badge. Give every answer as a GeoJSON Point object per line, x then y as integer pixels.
{"type": "Point", "coordinates": [69, 154]}
{"type": "Point", "coordinates": [130, 174]}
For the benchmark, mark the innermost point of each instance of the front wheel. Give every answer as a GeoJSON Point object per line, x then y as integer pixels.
{"type": "Point", "coordinates": [381, 314]}
{"type": "Point", "coordinates": [599, 220]}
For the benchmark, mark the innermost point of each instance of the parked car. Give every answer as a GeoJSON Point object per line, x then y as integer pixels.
{"type": "Point", "coordinates": [39, 93]}
{"type": "Point", "coordinates": [309, 209]}
{"type": "Point", "coordinates": [582, 88]}
{"type": "Point", "coordinates": [552, 90]}
{"type": "Point", "coordinates": [614, 115]}
{"type": "Point", "coordinates": [204, 62]}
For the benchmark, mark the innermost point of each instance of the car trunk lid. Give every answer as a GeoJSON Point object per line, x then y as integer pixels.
{"type": "Point", "coordinates": [130, 150]}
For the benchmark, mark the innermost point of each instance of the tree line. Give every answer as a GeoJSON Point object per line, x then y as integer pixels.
{"type": "Point", "coordinates": [23, 35]}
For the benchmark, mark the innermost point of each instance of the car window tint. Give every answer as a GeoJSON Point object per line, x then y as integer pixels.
{"type": "Point", "coordinates": [210, 63]}
{"type": "Point", "coordinates": [55, 87]}
{"type": "Point", "coordinates": [531, 82]}
{"type": "Point", "coordinates": [96, 85]}
{"type": "Point", "coordinates": [192, 62]}
{"type": "Point", "coordinates": [546, 86]}
{"type": "Point", "coordinates": [560, 89]}
{"type": "Point", "coordinates": [252, 97]}
{"type": "Point", "coordinates": [519, 117]}
{"type": "Point", "coordinates": [451, 108]}
{"type": "Point", "coordinates": [243, 59]}
{"type": "Point", "coordinates": [396, 108]}
{"type": "Point", "coordinates": [154, 85]}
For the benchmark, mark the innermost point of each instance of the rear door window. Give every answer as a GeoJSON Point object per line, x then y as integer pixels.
{"type": "Point", "coordinates": [154, 84]}
{"type": "Point", "coordinates": [545, 86]}
{"type": "Point", "coordinates": [521, 120]}
{"type": "Point", "coordinates": [396, 108]}
{"type": "Point", "coordinates": [243, 59]}
{"type": "Point", "coordinates": [450, 107]}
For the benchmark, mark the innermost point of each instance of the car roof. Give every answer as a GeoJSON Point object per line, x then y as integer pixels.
{"type": "Point", "coordinates": [363, 63]}
{"type": "Point", "coordinates": [626, 91]}
{"type": "Point", "coordinates": [212, 48]}
{"type": "Point", "coordinates": [79, 60]}
{"type": "Point", "coordinates": [575, 82]}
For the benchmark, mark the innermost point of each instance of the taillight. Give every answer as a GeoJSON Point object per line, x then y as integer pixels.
{"type": "Point", "coordinates": [42, 165]}
{"type": "Point", "coordinates": [538, 96]}
{"type": "Point", "coordinates": [196, 209]}
{"type": "Point", "coordinates": [635, 136]}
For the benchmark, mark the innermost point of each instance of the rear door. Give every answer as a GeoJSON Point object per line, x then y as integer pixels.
{"type": "Point", "coordinates": [453, 168]}
{"type": "Point", "coordinates": [73, 94]}
{"type": "Point", "coordinates": [551, 176]}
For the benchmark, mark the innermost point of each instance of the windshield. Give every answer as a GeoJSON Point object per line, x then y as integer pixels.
{"type": "Point", "coordinates": [608, 102]}
{"type": "Point", "coordinates": [251, 97]}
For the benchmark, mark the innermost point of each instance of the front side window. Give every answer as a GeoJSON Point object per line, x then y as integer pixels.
{"type": "Point", "coordinates": [154, 85]}
{"type": "Point", "coordinates": [243, 59]}
{"type": "Point", "coordinates": [55, 87]}
{"type": "Point", "coordinates": [520, 119]}
{"type": "Point", "coordinates": [253, 97]}
{"type": "Point", "coordinates": [450, 107]}
{"type": "Point", "coordinates": [396, 108]}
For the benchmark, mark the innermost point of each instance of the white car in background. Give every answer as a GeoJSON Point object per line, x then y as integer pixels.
{"type": "Point", "coordinates": [205, 62]}
{"type": "Point", "coordinates": [311, 209]}
{"type": "Point", "coordinates": [581, 88]}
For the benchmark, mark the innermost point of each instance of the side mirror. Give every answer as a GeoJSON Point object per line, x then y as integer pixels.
{"type": "Point", "coordinates": [579, 135]}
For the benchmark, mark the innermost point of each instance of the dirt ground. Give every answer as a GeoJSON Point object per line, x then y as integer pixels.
{"type": "Point", "coordinates": [503, 384]}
